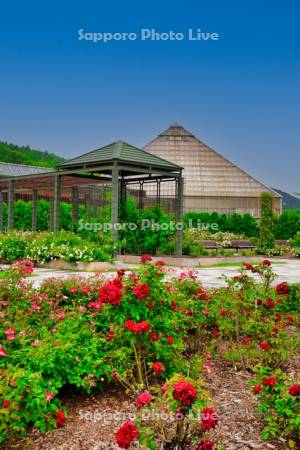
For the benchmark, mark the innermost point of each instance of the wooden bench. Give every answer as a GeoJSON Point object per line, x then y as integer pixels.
{"type": "Point", "coordinates": [281, 243]}
{"type": "Point", "coordinates": [242, 244]}
{"type": "Point", "coordinates": [209, 245]}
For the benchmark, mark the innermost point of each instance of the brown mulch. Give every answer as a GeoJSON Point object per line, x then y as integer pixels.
{"type": "Point", "coordinates": [91, 424]}
{"type": "Point", "coordinates": [240, 424]}
{"type": "Point", "coordinates": [93, 420]}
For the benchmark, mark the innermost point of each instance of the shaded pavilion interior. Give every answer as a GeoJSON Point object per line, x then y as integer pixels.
{"type": "Point", "coordinates": [118, 168]}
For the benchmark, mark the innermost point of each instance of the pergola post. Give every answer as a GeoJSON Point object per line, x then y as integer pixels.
{"type": "Point", "coordinates": [95, 205]}
{"type": "Point", "coordinates": [51, 209]}
{"type": "Point", "coordinates": [123, 198]}
{"type": "Point", "coordinates": [10, 202]}
{"type": "Point", "coordinates": [1, 211]}
{"type": "Point", "coordinates": [34, 209]}
{"type": "Point", "coordinates": [86, 206]}
{"type": "Point", "coordinates": [75, 203]}
{"type": "Point", "coordinates": [158, 182]}
{"type": "Point", "coordinates": [114, 202]}
{"type": "Point", "coordinates": [180, 188]}
{"type": "Point", "coordinates": [123, 192]}
{"type": "Point", "coordinates": [56, 202]}
{"type": "Point", "coordinates": [141, 196]}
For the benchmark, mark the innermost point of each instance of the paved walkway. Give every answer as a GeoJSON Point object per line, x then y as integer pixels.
{"type": "Point", "coordinates": [287, 270]}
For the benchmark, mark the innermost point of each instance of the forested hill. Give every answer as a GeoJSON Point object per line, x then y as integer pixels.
{"type": "Point", "coordinates": [288, 201]}
{"type": "Point", "coordinates": [25, 155]}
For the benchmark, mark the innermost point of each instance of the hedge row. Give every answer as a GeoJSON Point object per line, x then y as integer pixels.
{"type": "Point", "coordinates": [286, 226]}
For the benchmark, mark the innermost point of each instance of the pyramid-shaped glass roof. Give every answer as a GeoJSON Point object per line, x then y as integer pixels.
{"type": "Point", "coordinates": [206, 172]}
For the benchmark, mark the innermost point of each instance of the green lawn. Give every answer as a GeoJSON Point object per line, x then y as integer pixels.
{"type": "Point", "coordinates": [234, 264]}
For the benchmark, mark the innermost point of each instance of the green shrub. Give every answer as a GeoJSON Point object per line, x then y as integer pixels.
{"type": "Point", "coordinates": [47, 246]}
{"type": "Point", "coordinates": [279, 403]}
{"type": "Point", "coordinates": [144, 238]}
{"type": "Point", "coordinates": [267, 221]}
{"type": "Point", "coordinates": [12, 247]}
{"type": "Point", "coordinates": [236, 223]}
{"type": "Point", "coordinates": [191, 245]}
{"type": "Point", "coordinates": [288, 224]}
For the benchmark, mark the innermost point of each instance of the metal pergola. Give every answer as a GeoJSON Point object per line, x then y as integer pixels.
{"type": "Point", "coordinates": [119, 164]}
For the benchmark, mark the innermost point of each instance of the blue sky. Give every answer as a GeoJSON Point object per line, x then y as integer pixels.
{"type": "Point", "coordinates": [240, 95]}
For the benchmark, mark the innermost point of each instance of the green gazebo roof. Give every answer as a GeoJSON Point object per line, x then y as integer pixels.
{"type": "Point", "coordinates": [120, 152]}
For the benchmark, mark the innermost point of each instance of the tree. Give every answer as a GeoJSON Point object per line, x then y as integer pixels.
{"type": "Point", "coordinates": [267, 221]}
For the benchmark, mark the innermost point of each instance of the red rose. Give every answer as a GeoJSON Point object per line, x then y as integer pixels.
{"type": "Point", "coordinates": [111, 293]}
{"type": "Point", "coordinates": [154, 336]}
{"type": "Point", "coordinates": [248, 266]}
{"type": "Point", "coordinates": [160, 262]}
{"type": "Point", "coordinates": [256, 389]}
{"type": "Point", "coordinates": [202, 294]}
{"type": "Point", "coordinates": [246, 340]}
{"type": "Point", "coordinates": [143, 399]}
{"type": "Point", "coordinates": [141, 291]}
{"type": "Point", "coordinates": [216, 333]}
{"type": "Point", "coordinates": [174, 305]}
{"type": "Point", "coordinates": [5, 404]}
{"type": "Point", "coordinates": [143, 326]}
{"type": "Point", "coordinates": [294, 390]}
{"type": "Point", "coordinates": [223, 312]}
{"type": "Point", "coordinates": [60, 419]}
{"type": "Point", "coordinates": [121, 273]}
{"type": "Point", "coordinates": [282, 288]}
{"type": "Point", "coordinates": [145, 258]}
{"type": "Point", "coordinates": [170, 339]}
{"type": "Point", "coordinates": [184, 392]}
{"type": "Point", "coordinates": [2, 351]}
{"type": "Point", "coordinates": [266, 262]}
{"type": "Point", "coordinates": [269, 381]}
{"type": "Point", "coordinates": [264, 346]}
{"type": "Point", "coordinates": [127, 433]}
{"type": "Point", "coordinates": [9, 331]}
{"type": "Point", "coordinates": [49, 395]}
{"type": "Point", "coordinates": [158, 368]}
{"type": "Point", "coordinates": [270, 303]}
{"type": "Point", "coordinates": [110, 336]}
{"type": "Point", "coordinates": [206, 445]}
{"type": "Point", "coordinates": [85, 290]}
{"type": "Point", "coordinates": [130, 325]}
{"type": "Point", "coordinates": [149, 304]}
{"type": "Point", "coordinates": [209, 419]}
{"type": "Point", "coordinates": [137, 327]}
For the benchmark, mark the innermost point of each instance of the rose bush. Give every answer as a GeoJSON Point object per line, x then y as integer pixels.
{"type": "Point", "coordinates": [140, 329]}
{"type": "Point", "coordinates": [175, 416]}
{"type": "Point", "coordinates": [279, 402]}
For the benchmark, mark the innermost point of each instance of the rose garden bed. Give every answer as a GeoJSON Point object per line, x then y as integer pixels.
{"type": "Point", "coordinates": [158, 350]}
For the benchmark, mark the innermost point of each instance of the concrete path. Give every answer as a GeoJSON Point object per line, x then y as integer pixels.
{"type": "Point", "coordinates": [287, 270]}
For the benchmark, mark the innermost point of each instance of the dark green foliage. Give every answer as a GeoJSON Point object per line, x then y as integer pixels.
{"type": "Point", "coordinates": [23, 216]}
{"type": "Point", "coordinates": [288, 224]}
{"type": "Point", "coordinates": [236, 223]}
{"type": "Point", "coordinates": [267, 221]}
{"type": "Point", "coordinates": [144, 238]}
{"type": "Point", "coordinates": [11, 153]}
